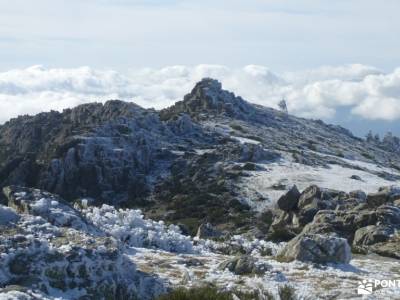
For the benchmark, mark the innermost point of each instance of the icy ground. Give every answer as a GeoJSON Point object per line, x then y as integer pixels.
{"type": "Point", "coordinates": [260, 184]}
{"type": "Point", "coordinates": [309, 281]}
{"type": "Point", "coordinates": [149, 249]}
{"type": "Point", "coordinates": [181, 261]}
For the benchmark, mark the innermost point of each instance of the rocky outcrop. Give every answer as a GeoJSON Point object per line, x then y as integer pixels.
{"type": "Point", "coordinates": [184, 164]}
{"type": "Point", "coordinates": [314, 199]}
{"type": "Point", "coordinates": [290, 200]}
{"type": "Point", "coordinates": [317, 248]}
{"type": "Point", "coordinates": [356, 177]}
{"type": "Point", "coordinates": [7, 216]}
{"type": "Point", "coordinates": [83, 151]}
{"type": "Point", "coordinates": [208, 97]}
{"type": "Point", "coordinates": [207, 231]}
{"type": "Point", "coordinates": [372, 234]}
{"type": "Point", "coordinates": [283, 227]}
{"type": "Point", "coordinates": [389, 248]}
{"type": "Point", "coordinates": [364, 221]}
{"type": "Point", "coordinates": [49, 248]}
{"type": "Point", "coordinates": [96, 267]}
{"type": "Point", "coordinates": [245, 265]}
{"type": "Point", "coordinates": [46, 205]}
{"type": "Point", "coordinates": [300, 211]}
{"type": "Point", "coordinates": [377, 199]}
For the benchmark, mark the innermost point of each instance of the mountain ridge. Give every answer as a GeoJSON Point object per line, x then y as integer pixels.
{"type": "Point", "coordinates": [117, 201]}
{"type": "Point", "coordinates": [194, 154]}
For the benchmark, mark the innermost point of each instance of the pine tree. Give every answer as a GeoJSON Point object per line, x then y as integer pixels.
{"type": "Point", "coordinates": [369, 137]}
{"type": "Point", "coordinates": [391, 142]}
{"type": "Point", "coordinates": [282, 106]}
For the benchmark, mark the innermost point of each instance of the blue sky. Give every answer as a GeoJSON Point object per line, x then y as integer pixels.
{"type": "Point", "coordinates": [283, 36]}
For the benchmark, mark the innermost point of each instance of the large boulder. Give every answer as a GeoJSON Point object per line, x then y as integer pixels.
{"type": "Point", "coordinates": [256, 153]}
{"type": "Point", "coordinates": [206, 230]}
{"type": "Point", "coordinates": [290, 200]}
{"type": "Point", "coordinates": [317, 248]}
{"type": "Point", "coordinates": [368, 230]}
{"type": "Point", "coordinates": [341, 223]}
{"type": "Point", "coordinates": [388, 214]}
{"type": "Point", "coordinates": [390, 248]}
{"type": "Point", "coordinates": [372, 234]}
{"type": "Point", "coordinates": [314, 199]}
{"type": "Point", "coordinates": [368, 223]}
{"type": "Point", "coordinates": [358, 194]}
{"type": "Point", "coordinates": [282, 228]}
{"type": "Point", "coordinates": [321, 198]}
{"type": "Point", "coordinates": [244, 265]}
{"type": "Point", "coordinates": [377, 199]}
{"type": "Point", "coordinates": [7, 216]}
{"type": "Point", "coordinates": [49, 206]}
{"type": "Point", "coordinates": [356, 177]}
{"type": "Point", "coordinates": [387, 194]}
{"type": "Point", "coordinates": [392, 191]}
{"type": "Point", "coordinates": [297, 212]}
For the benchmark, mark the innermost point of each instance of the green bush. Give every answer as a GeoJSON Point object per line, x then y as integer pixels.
{"type": "Point", "coordinates": [237, 127]}
{"type": "Point", "coordinates": [367, 155]}
{"type": "Point", "coordinates": [201, 293]}
{"type": "Point", "coordinates": [340, 154]}
{"type": "Point", "coordinates": [287, 292]}
{"type": "Point", "coordinates": [212, 293]}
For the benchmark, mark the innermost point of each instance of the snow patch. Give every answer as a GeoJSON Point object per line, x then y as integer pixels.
{"type": "Point", "coordinates": [333, 177]}
{"type": "Point", "coordinates": [130, 227]}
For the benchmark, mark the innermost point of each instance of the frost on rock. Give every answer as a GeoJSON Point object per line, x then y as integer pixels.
{"type": "Point", "coordinates": [212, 157]}
{"type": "Point", "coordinates": [49, 206]}
{"type": "Point", "coordinates": [7, 215]}
{"type": "Point", "coordinates": [69, 264]}
{"type": "Point", "coordinates": [129, 227]}
{"type": "Point", "coordinates": [49, 251]}
{"type": "Point", "coordinates": [318, 249]}
{"type": "Point", "coordinates": [23, 294]}
{"type": "Point", "coordinates": [239, 244]}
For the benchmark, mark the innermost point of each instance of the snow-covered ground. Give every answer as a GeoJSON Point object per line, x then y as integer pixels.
{"type": "Point", "coordinates": [309, 281]}
{"type": "Point", "coordinates": [289, 173]}
{"type": "Point", "coordinates": [181, 261]}
{"type": "Point", "coordinates": [244, 140]}
{"type": "Point", "coordinates": [130, 227]}
{"type": "Point", "coordinates": [177, 260]}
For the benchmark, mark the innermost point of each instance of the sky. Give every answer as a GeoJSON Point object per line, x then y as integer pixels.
{"type": "Point", "coordinates": [333, 60]}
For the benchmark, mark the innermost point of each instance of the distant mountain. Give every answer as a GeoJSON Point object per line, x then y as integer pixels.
{"type": "Point", "coordinates": [210, 157]}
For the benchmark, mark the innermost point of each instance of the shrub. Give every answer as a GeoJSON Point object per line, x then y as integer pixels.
{"type": "Point", "coordinates": [340, 154]}
{"type": "Point", "coordinates": [237, 127]}
{"type": "Point", "coordinates": [212, 293]}
{"type": "Point", "coordinates": [287, 292]}
{"type": "Point", "coordinates": [367, 155]}
{"type": "Point", "coordinates": [200, 293]}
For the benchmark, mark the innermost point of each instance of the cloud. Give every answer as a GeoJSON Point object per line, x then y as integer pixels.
{"type": "Point", "coordinates": [351, 72]}
{"type": "Point", "coordinates": [317, 93]}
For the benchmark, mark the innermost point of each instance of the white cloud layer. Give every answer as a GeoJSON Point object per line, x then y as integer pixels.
{"type": "Point", "coordinates": [318, 93]}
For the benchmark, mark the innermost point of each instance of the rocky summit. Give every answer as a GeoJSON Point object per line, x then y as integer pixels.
{"type": "Point", "coordinates": [115, 201]}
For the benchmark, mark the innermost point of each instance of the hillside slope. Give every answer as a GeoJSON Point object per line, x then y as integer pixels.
{"type": "Point", "coordinates": [211, 157]}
